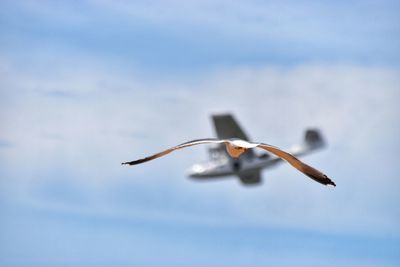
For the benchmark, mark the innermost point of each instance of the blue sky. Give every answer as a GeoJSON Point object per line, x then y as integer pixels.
{"type": "Point", "coordinates": [86, 85]}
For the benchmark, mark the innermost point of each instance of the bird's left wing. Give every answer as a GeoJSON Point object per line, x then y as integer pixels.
{"type": "Point", "coordinates": [298, 164]}
{"type": "Point", "coordinates": [165, 152]}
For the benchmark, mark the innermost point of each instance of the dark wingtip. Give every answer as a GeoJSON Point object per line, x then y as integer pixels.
{"type": "Point", "coordinates": [332, 183]}
{"type": "Point", "coordinates": [323, 179]}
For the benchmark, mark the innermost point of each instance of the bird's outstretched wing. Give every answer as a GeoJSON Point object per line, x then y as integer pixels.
{"type": "Point", "coordinates": [165, 152]}
{"type": "Point", "coordinates": [301, 166]}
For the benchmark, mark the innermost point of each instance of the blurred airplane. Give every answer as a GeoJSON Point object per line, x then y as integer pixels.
{"type": "Point", "coordinates": [248, 167]}
{"type": "Point", "coordinates": [235, 156]}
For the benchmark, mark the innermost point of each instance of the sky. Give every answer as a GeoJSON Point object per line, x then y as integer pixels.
{"type": "Point", "coordinates": [86, 85]}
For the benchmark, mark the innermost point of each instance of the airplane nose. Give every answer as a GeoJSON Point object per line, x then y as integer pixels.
{"type": "Point", "coordinates": [196, 171]}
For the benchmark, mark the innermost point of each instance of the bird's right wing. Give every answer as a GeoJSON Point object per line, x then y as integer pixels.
{"type": "Point", "coordinates": [298, 164]}
{"type": "Point", "coordinates": [165, 152]}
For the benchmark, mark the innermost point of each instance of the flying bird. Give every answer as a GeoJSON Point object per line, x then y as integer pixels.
{"type": "Point", "coordinates": [236, 147]}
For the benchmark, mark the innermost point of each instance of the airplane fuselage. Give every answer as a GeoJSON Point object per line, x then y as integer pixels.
{"type": "Point", "coordinates": [226, 166]}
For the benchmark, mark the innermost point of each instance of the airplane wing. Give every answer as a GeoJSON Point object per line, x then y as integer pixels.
{"type": "Point", "coordinates": [227, 127]}
{"type": "Point", "coordinates": [250, 177]}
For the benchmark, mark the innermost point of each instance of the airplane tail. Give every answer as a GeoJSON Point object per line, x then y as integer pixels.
{"type": "Point", "coordinates": [312, 140]}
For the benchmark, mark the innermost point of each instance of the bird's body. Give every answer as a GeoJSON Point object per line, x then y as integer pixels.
{"type": "Point", "coordinates": [236, 147]}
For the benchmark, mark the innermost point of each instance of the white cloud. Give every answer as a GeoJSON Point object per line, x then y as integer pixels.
{"type": "Point", "coordinates": [75, 129]}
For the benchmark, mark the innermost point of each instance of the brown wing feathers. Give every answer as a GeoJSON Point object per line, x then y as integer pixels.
{"type": "Point", "coordinates": [165, 152]}
{"type": "Point", "coordinates": [301, 166]}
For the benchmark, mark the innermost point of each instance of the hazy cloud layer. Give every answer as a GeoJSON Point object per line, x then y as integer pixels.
{"type": "Point", "coordinates": [85, 85]}
{"type": "Point", "coordinates": [70, 133]}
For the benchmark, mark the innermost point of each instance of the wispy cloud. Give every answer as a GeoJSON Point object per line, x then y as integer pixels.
{"type": "Point", "coordinates": [197, 35]}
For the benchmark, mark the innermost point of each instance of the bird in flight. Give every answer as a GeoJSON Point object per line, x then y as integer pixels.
{"type": "Point", "coordinates": [236, 147]}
